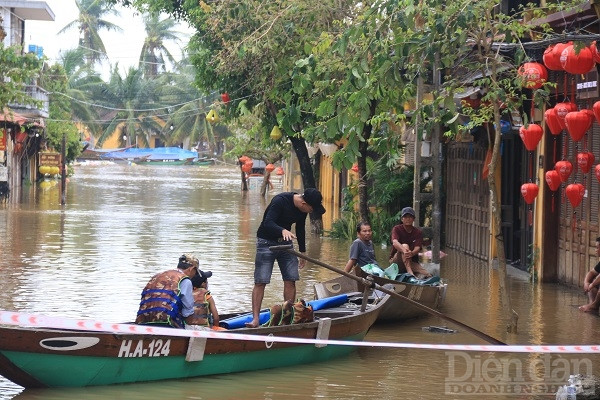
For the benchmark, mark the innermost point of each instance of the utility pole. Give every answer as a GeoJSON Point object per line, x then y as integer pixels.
{"type": "Point", "coordinates": [63, 175]}
{"type": "Point", "coordinates": [434, 163]}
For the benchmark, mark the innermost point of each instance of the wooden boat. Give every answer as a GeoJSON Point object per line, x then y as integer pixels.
{"type": "Point", "coordinates": [44, 357]}
{"type": "Point", "coordinates": [395, 309]}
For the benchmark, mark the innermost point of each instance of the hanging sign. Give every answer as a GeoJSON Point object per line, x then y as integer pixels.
{"type": "Point", "coordinates": [50, 159]}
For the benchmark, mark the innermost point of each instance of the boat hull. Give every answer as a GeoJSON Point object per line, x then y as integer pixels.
{"type": "Point", "coordinates": [395, 309]}
{"type": "Point", "coordinates": [58, 358]}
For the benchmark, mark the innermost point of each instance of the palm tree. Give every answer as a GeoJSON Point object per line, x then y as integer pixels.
{"type": "Point", "coordinates": [130, 107]}
{"type": "Point", "coordinates": [154, 52]}
{"type": "Point", "coordinates": [90, 22]}
{"type": "Point", "coordinates": [83, 85]}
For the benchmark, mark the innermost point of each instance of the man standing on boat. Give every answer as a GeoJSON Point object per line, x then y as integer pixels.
{"type": "Point", "coordinates": [362, 251]}
{"type": "Point", "coordinates": [407, 240]}
{"type": "Point", "coordinates": [285, 210]}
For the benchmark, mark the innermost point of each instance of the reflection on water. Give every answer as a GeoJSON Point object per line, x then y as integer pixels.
{"type": "Point", "coordinates": [122, 224]}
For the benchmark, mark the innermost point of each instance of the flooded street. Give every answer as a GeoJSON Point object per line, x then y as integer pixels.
{"type": "Point", "coordinates": [122, 224]}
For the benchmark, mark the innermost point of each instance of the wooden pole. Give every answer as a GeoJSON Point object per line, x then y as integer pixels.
{"type": "Point", "coordinates": [371, 284]}
{"type": "Point", "coordinates": [63, 175]}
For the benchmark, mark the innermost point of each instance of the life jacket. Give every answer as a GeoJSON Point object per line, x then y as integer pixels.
{"type": "Point", "coordinates": [201, 315]}
{"type": "Point", "coordinates": [290, 313]}
{"type": "Point", "coordinates": [161, 300]}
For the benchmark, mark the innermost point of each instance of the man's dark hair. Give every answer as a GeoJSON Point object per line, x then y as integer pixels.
{"type": "Point", "coordinates": [360, 225]}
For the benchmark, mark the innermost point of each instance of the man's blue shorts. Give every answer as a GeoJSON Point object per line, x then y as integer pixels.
{"type": "Point", "coordinates": [265, 258]}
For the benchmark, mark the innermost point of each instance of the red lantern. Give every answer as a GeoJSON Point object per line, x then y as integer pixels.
{"type": "Point", "coordinates": [597, 172]}
{"type": "Point", "coordinates": [562, 109]}
{"type": "Point", "coordinates": [585, 161]}
{"type": "Point", "coordinates": [552, 121]}
{"type": "Point", "coordinates": [574, 63]}
{"type": "Point", "coordinates": [247, 167]}
{"type": "Point", "coordinates": [578, 122]}
{"type": "Point", "coordinates": [269, 168]}
{"type": "Point", "coordinates": [552, 54]}
{"type": "Point", "coordinates": [529, 191]}
{"type": "Point", "coordinates": [355, 167]}
{"type": "Point", "coordinates": [531, 136]}
{"type": "Point", "coordinates": [534, 75]}
{"type": "Point", "coordinates": [243, 159]}
{"type": "Point", "coordinates": [225, 97]}
{"type": "Point", "coordinates": [564, 169]}
{"type": "Point", "coordinates": [575, 193]}
{"type": "Point", "coordinates": [594, 50]}
{"type": "Point", "coordinates": [279, 171]}
{"type": "Point", "coordinates": [553, 180]}
{"type": "Point", "coordinates": [596, 111]}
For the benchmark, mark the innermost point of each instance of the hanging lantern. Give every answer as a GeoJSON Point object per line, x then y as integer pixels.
{"type": "Point", "coordinates": [596, 111]}
{"type": "Point", "coordinates": [529, 191]}
{"type": "Point", "coordinates": [578, 122]}
{"type": "Point", "coordinates": [552, 54]}
{"type": "Point", "coordinates": [553, 180]}
{"type": "Point", "coordinates": [355, 167]}
{"type": "Point", "coordinates": [270, 168]}
{"type": "Point", "coordinates": [212, 117]}
{"type": "Point", "coordinates": [243, 159]}
{"type": "Point", "coordinates": [595, 53]}
{"type": "Point", "coordinates": [534, 75]}
{"type": "Point", "coordinates": [585, 161]}
{"type": "Point", "coordinates": [249, 162]}
{"type": "Point", "coordinates": [575, 193]}
{"type": "Point", "coordinates": [247, 167]}
{"type": "Point", "coordinates": [552, 121]}
{"type": "Point", "coordinates": [564, 169]}
{"type": "Point", "coordinates": [279, 171]}
{"type": "Point", "coordinates": [275, 133]}
{"type": "Point", "coordinates": [562, 109]}
{"type": "Point", "coordinates": [597, 172]}
{"type": "Point", "coordinates": [225, 97]}
{"type": "Point", "coordinates": [531, 136]}
{"type": "Point", "coordinates": [573, 63]}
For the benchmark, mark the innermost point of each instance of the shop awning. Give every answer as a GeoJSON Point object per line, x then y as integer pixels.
{"type": "Point", "coordinates": [12, 117]}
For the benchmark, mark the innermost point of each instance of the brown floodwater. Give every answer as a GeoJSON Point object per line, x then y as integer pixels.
{"type": "Point", "coordinates": [123, 223]}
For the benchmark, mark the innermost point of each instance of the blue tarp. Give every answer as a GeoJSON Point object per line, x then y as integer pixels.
{"type": "Point", "coordinates": [158, 153]}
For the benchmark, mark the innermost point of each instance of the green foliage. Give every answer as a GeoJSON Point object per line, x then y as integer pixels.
{"type": "Point", "coordinates": [55, 80]}
{"type": "Point", "coordinates": [16, 70]}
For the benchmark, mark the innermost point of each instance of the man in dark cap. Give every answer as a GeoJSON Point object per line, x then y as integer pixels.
{"type": "Point", "coordinates": [285, 210]}
{"type": "Point", "coordinates": [407, 240]}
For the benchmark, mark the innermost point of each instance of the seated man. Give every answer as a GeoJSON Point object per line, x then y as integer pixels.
{"type": "Point", "coordinates": [591, 284]}
{"type": "Point", "coordinates": [407, 240]}
{"type": "Point", "coordinates": [362, 251]}
{"type": "Point", "coordinates": [167, 299]}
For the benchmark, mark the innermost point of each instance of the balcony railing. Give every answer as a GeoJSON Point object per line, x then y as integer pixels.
{"type": "Point", "coordinates": [30, 110]}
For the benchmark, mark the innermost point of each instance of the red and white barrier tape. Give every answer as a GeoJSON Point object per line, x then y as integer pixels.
{"type": "Point", "coordinates": [43, 321]}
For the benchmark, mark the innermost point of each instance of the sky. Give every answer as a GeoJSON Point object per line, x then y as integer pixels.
{"type": "Point", "coordinates": [122, 47]}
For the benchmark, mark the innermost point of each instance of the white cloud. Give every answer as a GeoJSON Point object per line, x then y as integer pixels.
{"type": "Point", "coordinates": [123, 47]}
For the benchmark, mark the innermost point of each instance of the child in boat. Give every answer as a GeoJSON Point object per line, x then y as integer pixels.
{"type": "Point", "coordinates": [362, 251]}
{"type": "Point", "coordinates": [205, 314]}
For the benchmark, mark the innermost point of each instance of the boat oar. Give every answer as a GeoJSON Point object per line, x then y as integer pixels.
{"type": "Point", "coordinates": [371, 284]}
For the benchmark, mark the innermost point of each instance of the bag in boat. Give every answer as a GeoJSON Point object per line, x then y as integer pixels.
{"type": "Point", "coordinates": [290, 313]}
{"type": "Point", "coordinates": [373, 269]}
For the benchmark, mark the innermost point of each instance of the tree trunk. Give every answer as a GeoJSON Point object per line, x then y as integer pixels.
{"type": "Point", "coordinates": [244, 180]}
{"type": "Point", "coordinates": [363, 193]}
{"type": "Point", "coordinates": [308, 178]}
{"type": "Point", "coordinates": [510, 314]}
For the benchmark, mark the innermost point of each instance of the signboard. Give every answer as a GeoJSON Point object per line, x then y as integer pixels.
{"type": "Point", "coordinates": [50, 159]}
{"type": "Point", "coordinates": [3, 135]}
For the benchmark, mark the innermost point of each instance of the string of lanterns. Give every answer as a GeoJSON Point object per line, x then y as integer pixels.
{"type": "Point", "coordinates": [564, 116]}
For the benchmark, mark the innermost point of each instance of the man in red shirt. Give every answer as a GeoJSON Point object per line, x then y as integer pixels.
{"type": "Point", "coordinates": [407, 240]}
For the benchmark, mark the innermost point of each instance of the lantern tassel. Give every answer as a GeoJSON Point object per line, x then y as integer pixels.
{"type": "Point", "coordinates": [529, 216]}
